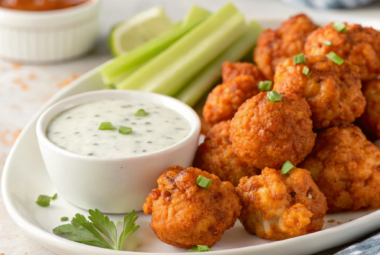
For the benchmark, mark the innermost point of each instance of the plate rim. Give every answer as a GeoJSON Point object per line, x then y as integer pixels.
{"type": "Point", "coordinates": [37, 233]}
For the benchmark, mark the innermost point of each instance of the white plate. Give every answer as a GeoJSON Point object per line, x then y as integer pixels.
{"type": "Point", "coordinates": [25, 178]}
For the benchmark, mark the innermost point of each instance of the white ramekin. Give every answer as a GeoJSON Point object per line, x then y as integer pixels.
{"type": "Point", "coordinates": [48, 36]}
{"type": "Point", "coordinates": [113, 185]}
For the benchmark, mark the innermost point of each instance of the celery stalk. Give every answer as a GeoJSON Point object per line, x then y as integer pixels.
{"type": "Point", "coordinates": [204, 81]}
{"type": "Point", "coordinates": [136, 57]}
{"type": "Point", "coordinates": [195, 13]}
{"type": "Point", "coordinates": [169, 72]}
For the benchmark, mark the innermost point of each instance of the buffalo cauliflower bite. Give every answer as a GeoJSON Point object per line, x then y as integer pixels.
{"type": "Point", "coordinates": [265, 134]}
{"type": "Point", "coordinates": [332, 91]}
{"type": "Point", "coordinates": [225, 99]}
{"type": "Point", "coordinates": [279, 206]}
{"type": "Point", "coordinates": [233, 70]}
{"type": "Point", "coordinates": [359, 45]}
{"type": "Point", "coordinates": [184, 214]}
{"type": "Point", "coordinates": [346, 168]}
{"type": "Point", "coordinates": [370, 120]}
{"type": "Point", "coordinates": [273, 46]}
{"type": "Point", "coordinates": [215, 155]}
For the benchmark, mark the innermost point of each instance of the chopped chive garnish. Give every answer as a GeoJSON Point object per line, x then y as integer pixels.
{"type": "Point", "coordinates": [200, 248]}
{"type": "Point", "coordinates": [203, 182]}
{"type": "Point", "coordinates": [125, 130]}
{"type": "Point", "coordinates": [64, 219]}
{"type": "Point", "coordinates": [286, 167]}
{"type": "Point", "coordinates": [337, 60]}
{"type": "Point", "coordinates": [327, 42]}
{"type": "Point", "coordinates": [106, 126]}
{"type": "Point", "coordinates": [306, 71]}
{"type": "Point", "coordinates": [274, 96]}
{"type": "Point", "coordinates": [265, 85]}
{"type": "Point", "coordinates": [141, 113]}
{"type": "Point", "coordinates": [110, 86]}
{"type": "Point", "coordinates": [44, 200]}
{"type": "Point", "coordinates": [340, 27]}
{"type": "Point", "coordinates": [299, 59]}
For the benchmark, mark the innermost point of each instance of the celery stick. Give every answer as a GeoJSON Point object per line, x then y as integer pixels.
{"type": "Point", "coordinates": [195, 13]}
{"type": "Point", "coordinates": [204, 81]}
{"type": "Point", "coordinates": [144, 53]}
{"type": "Point", "coordinates": [169, 72]}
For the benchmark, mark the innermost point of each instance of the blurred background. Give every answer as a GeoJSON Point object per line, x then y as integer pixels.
{"type": "Point", "coordinates": [25, 85]}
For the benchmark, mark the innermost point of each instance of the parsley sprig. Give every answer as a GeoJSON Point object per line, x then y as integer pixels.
{"type": "Point", "coordinates": [87, 232]}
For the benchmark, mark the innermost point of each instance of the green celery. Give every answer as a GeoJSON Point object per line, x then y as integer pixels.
{"type": "Point", "coordinates": [204, 81]}
{"type": "Point", "coordinates": [171, 70]}
{"type": "Point", "coordinates": [136, 57]}
{"type": "Point", "coordinates": [195, 13]}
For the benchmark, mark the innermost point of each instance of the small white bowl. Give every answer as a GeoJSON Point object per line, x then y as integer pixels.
{"type": "Point", "coordinates": [113, 185]}
{"type": "Point", "coordinates": [48, 36]}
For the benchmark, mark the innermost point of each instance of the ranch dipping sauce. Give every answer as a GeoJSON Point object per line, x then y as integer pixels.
{"type": "Point", "coordinates": [77, 129]}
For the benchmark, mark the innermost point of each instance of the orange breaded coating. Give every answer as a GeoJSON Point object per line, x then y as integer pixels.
{"type": "Point", "coordinates": [233, 70]}
{"type": "Point", "coordinates": [332, 91]}
{"type": "Point", "coordinates": [279, 206]}
{"type": "Point", "coordinates": [215, 155]}
{"type": "Point", "coordinates": [273, 46]}
{"type": "Point", "coordinates": [359, 45]}
{"type": "Point", "coordinates": [346, 168]}
{"type": "Point", "coordinates": [265, 134]}
{"type": "Point", "coordinates": [369, 122]}
{"type": "Point", "coordinates": [225, 99]}
{"type": "Point", "coordinates": [184, 214]}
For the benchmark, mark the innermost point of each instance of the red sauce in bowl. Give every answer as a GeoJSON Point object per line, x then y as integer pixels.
{"type": "Point", "coordinates": [39, 5]}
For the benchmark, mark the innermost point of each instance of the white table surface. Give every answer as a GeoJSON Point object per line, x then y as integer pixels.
{"type": "Point", "coordinates": [24, 88]}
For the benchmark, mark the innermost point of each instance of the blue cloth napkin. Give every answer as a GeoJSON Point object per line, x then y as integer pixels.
{"type": "Point", "coordinates": [370, 246]}
{"type": "Point", "coordinates": [330, 4]}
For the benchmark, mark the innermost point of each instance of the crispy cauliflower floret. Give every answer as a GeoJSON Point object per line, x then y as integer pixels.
{"type": "Point", "coordinates": [265, 134]}
{"type": "Point", "coordinates": [369, 122]}
{"type": "Point", "coordinates": [184, 214]}
{"type": "Point", "coordinates": [215, 155]}
{"type": "Point", "coordinates": [359, 45]}
{"type": "Point", "coordinates": [346, 168]}
{"type": "Point", "coordinates": [233, 70]}
{"type": "Point", "coordinates": [225, 99]}
{"type": "Point", "coordinates": [279, 206]}
{"type": "Point", "coordinates": [332, 91]}
{"type": "Point", "coordinates": [273, 46]}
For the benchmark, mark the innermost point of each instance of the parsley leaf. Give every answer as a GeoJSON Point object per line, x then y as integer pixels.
{"type": "Point", "coordinates": [129, 227]}
{"type": "Point", "coordinates": [78, 233]}
{"type": "Point", "coordinates": [87, 232]}
{"type": "Point", "coordinates": [104, 225]}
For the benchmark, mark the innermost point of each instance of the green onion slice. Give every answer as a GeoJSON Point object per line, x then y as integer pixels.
{"type": "Point", "coordinates": [327, 42]}
{"type": "Point", "coordinates": [286, 167]}
{"type": "Point", "coordinates": [64, 219]}
{"type": "Point", "coordinates": [274, 96]}
{"type": "Point", "coordinates": [337, 60]}
{"type": "Point", "coordinates": [203, 182]}
{"type": "Point", "coordinates": [340, 27]}
{"type": "Point", "coordinates": [306, 71]}
{"type": "Point", "coordinates": [106, 126]}
{"type": "Point", "coordinates": [125, 130]}
{"type": "Point", "coordinates": [299, 59]}
{"type": "Point", "coordinates": [141, 113]}
{"type": "Point", "coordinates": [119, 223]}
{"type": "Point", "coordinates": [200, 248]}
{"type": "Point", "coordinates": [43, 200]}
{"type": "Point", "coordinates": [265, 85]}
